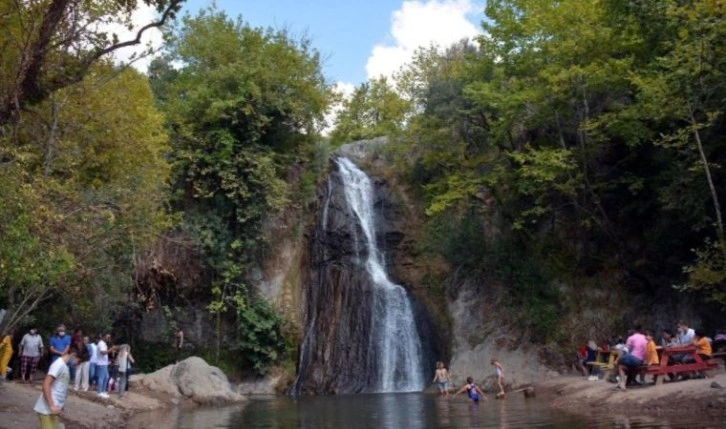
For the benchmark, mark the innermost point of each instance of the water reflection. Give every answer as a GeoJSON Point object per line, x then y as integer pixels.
{"type": "Point", "coordinates": [384, 411]}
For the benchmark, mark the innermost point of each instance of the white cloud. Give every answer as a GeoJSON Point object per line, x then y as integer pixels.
{"type": "Point", "coordinates": [151, 37]}
{"type": "Point", "coordinates": [422, 23]}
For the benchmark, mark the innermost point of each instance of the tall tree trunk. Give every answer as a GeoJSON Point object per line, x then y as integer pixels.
{"type": "Point", "coordinates": [707, 169]}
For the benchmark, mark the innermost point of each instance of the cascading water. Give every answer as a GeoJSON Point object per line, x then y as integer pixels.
{"type": "Point", "coordinates": [362, 332]}
{"type": "Point", "coordinates": [397, 356]}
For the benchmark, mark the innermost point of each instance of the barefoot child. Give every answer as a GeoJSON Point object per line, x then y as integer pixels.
{"type": "Point", "coordinates": [441, 378]}
{"type": "Point", "coordinates": [472, 390]}
{"type": "Point", "coordinates": [499, 372]}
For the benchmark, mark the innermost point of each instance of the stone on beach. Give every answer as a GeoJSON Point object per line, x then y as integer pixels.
{"type": "Point", "coordinates": [194, 379]}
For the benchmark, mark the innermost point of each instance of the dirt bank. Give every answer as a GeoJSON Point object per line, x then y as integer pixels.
{"type": "Point", "coordinates": [689, 397]}
{"type": "Point", "coordinates": [83, 410]}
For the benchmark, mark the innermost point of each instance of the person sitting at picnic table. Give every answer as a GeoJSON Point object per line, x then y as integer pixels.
{"type": "Point", "coordinates": [703, 346]}
{"type": "Point", "coordinates": [668, 339]}
{"type": "Point", "coordinates": [651, 354]}
{"type": "Point", "coordinates": [587, 353]}
{"type": "Point", "coordinates": [631, 361]}
{"type": "Point", "coordinates": [685, 334]}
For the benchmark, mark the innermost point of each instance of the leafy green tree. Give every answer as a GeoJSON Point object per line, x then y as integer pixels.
{"type": "Point", "coordinates": [374, 109]}
{"type": "Point", "coordinates": [93, 181]}
{"type": "Point", "coordinates": [52, 44]}
{"type": "Point", "coordinates": [244, 105]}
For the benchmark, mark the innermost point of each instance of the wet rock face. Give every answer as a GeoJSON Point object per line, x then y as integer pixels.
{"type": "Point", "coordinates": [337, 354]}
{"type": "Point", "coordinates": [334, 357]}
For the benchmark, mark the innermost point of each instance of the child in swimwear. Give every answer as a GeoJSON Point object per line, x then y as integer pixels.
{"type": "Point", "coordinates": [499, 372]}
{"type": "Point", "coordinates": [472, 390]}
{"type": "Point", "coordinates": [441, 378]}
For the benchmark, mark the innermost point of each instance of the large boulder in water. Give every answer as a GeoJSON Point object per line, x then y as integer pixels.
{"type": "Point", "coordinates": [192, 378]}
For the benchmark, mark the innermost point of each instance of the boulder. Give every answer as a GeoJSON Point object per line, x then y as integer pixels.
{"type": "Point", "coordinates": [192, 378]}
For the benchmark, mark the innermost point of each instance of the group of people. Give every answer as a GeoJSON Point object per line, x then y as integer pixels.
{"type": "Point", "coordinates": [640, 349]}
{"type": "Point", "coordinates": [76, 359]}
{"type": "Point", "coordinates": [442, 379]}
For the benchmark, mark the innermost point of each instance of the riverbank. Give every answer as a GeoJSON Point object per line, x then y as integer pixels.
{"type": "Point", "coordinates": [83, 410]}
{"type": "Point", "coordinates": [676, 399]}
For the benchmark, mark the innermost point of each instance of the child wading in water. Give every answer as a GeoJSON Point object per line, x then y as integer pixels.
{"type": "Point", "coordinates": [441, 378]}
{"type": "Point", "coordinates": [472, 390]}
{"type": "Point", "coordinates": [499, 372]}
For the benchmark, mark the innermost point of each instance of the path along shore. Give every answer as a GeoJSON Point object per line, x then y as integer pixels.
{"type": "Point", "coordinates": [83, 410]}
{"type": "Point", "coordinates": [693, 397]}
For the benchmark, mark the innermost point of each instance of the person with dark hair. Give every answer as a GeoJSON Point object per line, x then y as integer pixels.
{"type": "Point", "coordinates": [472, 390]}
{"type": "Point", "coordinates": [636, 344]}
{"type": "Point", "coordinates": [703, 345]}
{"type": "Point", "coordinates": [668, 338]}
{"type": "Point", "coordinates": [60, 343]}
{"type": "Point", "coordinates": [31, 349]}
{"type": "Point", "coordinates": [55, 390]}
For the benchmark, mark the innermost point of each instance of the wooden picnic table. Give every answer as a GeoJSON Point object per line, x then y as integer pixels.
{"type": "Point", "coordinates": [669, 366]}
{"type": "Point", "coordinates": [604, 359]}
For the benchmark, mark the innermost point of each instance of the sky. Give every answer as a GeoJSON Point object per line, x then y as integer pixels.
{"type": "Point", "coordinates": [358, 40]}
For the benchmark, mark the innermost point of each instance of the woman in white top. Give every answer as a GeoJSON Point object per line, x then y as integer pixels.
{"type": "Point", "coordinates": [124, 359]}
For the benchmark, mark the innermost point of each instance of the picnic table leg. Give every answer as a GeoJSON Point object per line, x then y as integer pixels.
{"type": "Point", "coordinates": [658, 380]}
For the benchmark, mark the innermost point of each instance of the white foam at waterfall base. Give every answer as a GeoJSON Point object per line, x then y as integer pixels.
{"type": "Point", "coordinates": [394, 336]}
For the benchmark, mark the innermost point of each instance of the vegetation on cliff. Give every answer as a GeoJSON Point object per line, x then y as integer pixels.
{"type": "Point", "coordinates": [124, 193]}
{"type": "Point", "coordinates": [589, 135]}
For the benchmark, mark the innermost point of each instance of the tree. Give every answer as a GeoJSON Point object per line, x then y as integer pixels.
{"type": "Point", "coordinates": [244, 106]}
{"type": "Point", "coordinates": [52, 44]}
{"type": "Point", "coordinates": [86, 187]}
{"type": "Point", "coordinates": [374, 109]}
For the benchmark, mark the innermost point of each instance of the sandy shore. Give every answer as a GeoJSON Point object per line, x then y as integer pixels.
{"type": "Point", "coordinates": [689, 397]}
{"type": "Point", "coordinates": [83, 410]}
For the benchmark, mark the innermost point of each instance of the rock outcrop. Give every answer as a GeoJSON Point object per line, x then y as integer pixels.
{"type": "Point", "coordinates": [191, 378]}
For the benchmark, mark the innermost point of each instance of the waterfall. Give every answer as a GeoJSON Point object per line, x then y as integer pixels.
{"type": "Point", "coordinates": [394, 339]}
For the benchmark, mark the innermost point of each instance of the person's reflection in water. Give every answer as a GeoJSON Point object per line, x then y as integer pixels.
{"type": "Point", "coordinates": [475, 410]}
{"type": "Point", "coordinates": [503, 417]}
{"type": "Point", "coordinates": [443, 413]}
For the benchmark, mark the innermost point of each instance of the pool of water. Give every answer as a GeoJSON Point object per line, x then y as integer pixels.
{"type": "Point", "coordinates": [383, 411]}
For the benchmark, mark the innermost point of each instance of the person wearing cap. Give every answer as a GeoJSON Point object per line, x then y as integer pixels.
{"type": "Point", "coordinates": [60, 343]}
{"type": "Point", "coordinates": [31, 349]}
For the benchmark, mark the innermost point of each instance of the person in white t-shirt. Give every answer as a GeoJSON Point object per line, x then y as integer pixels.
{"type": "Point", "coordinates": [92, 360]}
{"type": "Point", "coordinates": [102, 366]}
{"type": "Point", "coordinates": [55, 390]}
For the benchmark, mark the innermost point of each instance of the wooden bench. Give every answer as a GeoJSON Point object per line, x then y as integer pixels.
{"type": "Point", "coordinates": [601, 362]}
{"type": "Point", "coordinates": [668, 367]}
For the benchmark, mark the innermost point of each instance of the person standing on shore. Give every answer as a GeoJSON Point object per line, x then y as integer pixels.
{"type": "Point", "coordinates": [92, 360]}
{"type": "Point", "coordinates": [55, 390]}
{"type": "Point", "coordinates": [102, 366]}
{"type": "Point", "coordinates": [82, 365]}
{"type": "Point", "coordinates": [125, 359]}
{"type": "Point", "coordinates": [6, 352]}
{"type": "Point", "coordinates": [178, 344]}
{"type": "Point", "coordinates": [60, 343]}
{"type": "Point", "coordinates": [31, 349]}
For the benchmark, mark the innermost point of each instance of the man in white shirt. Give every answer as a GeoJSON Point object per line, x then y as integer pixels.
{"type": "Point", "coordinates": [685, 334]}
{"type": "Point", "coordinates": [31, 348]}
{"type": "Point", "coordinates": [102, 366]}
{"type": "Point", "coordinates": [92, 361]}
{"type": "Point", "coordinates": [55, 390]}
